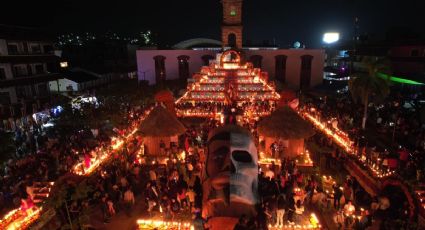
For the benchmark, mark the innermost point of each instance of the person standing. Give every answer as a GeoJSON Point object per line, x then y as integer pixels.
{"type": "Point", "coordinates": [280, 210]}
{"type": "Point", "coordinates": [291, 208]}
{"type": "Point", "coordinates": [337, 196]}
{"type": "Point", "coordinates": [175, 208]}
{"type": "Point", "coordinates": [242, 223]}
{"type": "Point", "coordinates": [198, 222]}
{"type": "Point", "coordinates": [111, 208]}
{"type": "Point", "coordinates": [191, 197]}
{"type": "Point", "coordinates": [151, 196]}
{"type": "Point", "coordinates": [128, 200]}
{"type": "Point", "coordinates": [299, 210]}
{"type": "Point", "coordinates": [339, 219]}
{"type": "Point", "coordinates": [105, 210]}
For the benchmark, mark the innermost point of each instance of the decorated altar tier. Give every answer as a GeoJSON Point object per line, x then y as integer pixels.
{"type": "Point", "coordinates": [226, 81]}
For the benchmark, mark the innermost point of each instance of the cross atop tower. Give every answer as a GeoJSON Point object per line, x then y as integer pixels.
{"type": "Point", "coordinates": [231, 29]}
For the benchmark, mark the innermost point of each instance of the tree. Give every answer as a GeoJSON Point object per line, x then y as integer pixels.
{"type": "Point", "coordinates": [366, 85]}
{"type": "Point", "coordinates": [65, 193]}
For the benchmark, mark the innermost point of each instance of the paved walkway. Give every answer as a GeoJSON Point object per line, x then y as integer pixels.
{"type": "Point", "coordinates": [121, 220]}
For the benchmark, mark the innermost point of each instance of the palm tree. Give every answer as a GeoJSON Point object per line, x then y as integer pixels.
{"type": "Point", "coordinates": [365, 84]}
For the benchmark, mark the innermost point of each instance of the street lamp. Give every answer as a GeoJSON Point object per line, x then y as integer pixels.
{"type": "Point", "coordinates": [330, 37]}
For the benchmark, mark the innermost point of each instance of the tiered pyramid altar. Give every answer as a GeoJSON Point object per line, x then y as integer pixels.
{"type": "Point", "coordinates": [226, 82]}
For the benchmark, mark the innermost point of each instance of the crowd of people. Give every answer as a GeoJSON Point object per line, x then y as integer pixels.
{"type": "Point", "coordinates": [173, 190]}
{"type": "Point", "coordinates": [395, 135]}
{"type": "Point", "coordinates": [404, 156]}
{"type": "Point", "coordinates": [52, 156]}
{"type": "Point", "coordinates": [44, 154]}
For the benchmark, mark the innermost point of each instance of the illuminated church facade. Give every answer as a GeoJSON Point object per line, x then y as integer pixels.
{"type": "Point", "coordinates": [298, 68]}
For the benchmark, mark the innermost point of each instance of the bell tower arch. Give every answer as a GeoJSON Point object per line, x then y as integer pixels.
{"type": "Point", "coordinates": [231, 28]}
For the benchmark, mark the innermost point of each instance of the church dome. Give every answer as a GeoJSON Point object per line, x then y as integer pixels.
{"type": "Point", "coordinates": [197, 42]}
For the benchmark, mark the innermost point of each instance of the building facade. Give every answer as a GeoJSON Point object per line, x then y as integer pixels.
{"type": "Point", "coordinates": [79, 81]}
{"type": "Point", "coordinates": [297, 68]}
{"type": "Point", "coordinates": [27, 63]}
{"type": "Point", "coordinates": [406, 60]}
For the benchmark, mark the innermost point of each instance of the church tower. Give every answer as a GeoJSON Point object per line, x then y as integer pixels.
{"type": "Point", "coordinates": [231, 29]}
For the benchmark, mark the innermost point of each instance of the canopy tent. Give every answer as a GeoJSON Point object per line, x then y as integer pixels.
{"type": "Point", "coordinates": [284, 124]}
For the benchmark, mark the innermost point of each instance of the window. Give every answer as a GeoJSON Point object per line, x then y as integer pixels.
{"type": "Point", "coordinates": [4, 98]}
{"type": "Point", "coordinates": [305, 78]}
{"type": "Point", "coordinates": [231, 40]}
{"type": "Point", "coordinates": [48, 49]}
{"type": "Point", "coordinates": [280, 68]}
{"type": "Point", "coordinates": [19, 70]}
{"type": "Point", "coordinates": [306, 62]}
{"type": "Point", "coordinates": [39, 69]}
{"type": "Point", "coordinates": [2, 74]}
{"type": "Point", "coordinates": [183, 66]}
{"type": "Point", "coordinates": [160, 74]}
{"type": "Point", "coordinates": [12, 49]}
{"type": "Point", "coordinates": [25, 46]}
{"type": "Point", "coordinates": [21, 92]}
{"type": "Point", "coordinates": [35, 49]}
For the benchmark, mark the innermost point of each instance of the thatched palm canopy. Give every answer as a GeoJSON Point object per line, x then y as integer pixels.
{"type": "Point", "coordinates": [161, 123]}
{"type": "Point", "coordinates": [285, 123]}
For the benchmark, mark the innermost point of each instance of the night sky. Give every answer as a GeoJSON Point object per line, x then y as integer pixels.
{"type": "Point", "coordinates": [281, 20]}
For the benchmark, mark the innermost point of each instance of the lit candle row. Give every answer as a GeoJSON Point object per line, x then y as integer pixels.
{"type": "Point", "coordinates": [159, 224]}
{"type": "Point", "coordinates": [104, 155]}
{"type": "Point", "coordinates": [19, 219]}
{"type": "Point", "coordinates": [342, 139]}
{"type": "Point", "coordinates": [314, 224]}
